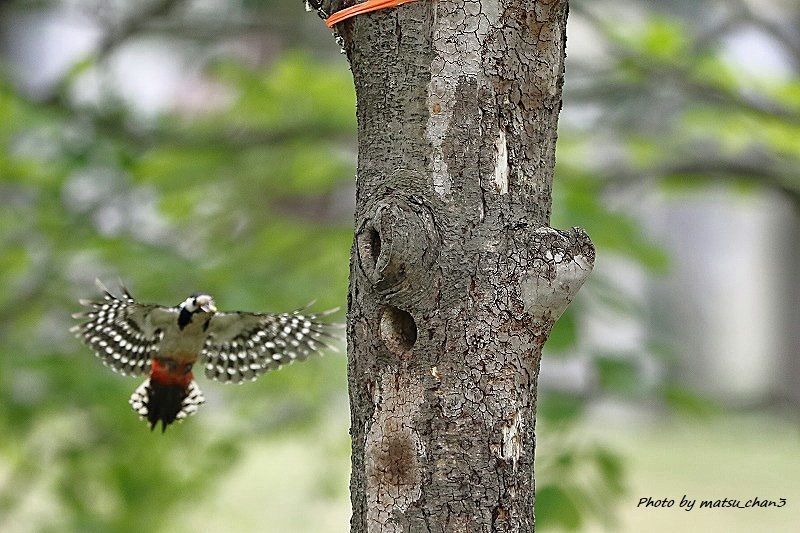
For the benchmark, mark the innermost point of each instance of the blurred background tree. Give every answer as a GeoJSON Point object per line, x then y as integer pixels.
{"type": "Point", "coordinates": [210, 145]}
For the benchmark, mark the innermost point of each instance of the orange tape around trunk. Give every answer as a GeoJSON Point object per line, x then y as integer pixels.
{"type": "Point", "coordinates": [363, 7]}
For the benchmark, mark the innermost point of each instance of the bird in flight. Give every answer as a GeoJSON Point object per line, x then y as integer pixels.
{"type": "Point", "coordinates": [165, 343]}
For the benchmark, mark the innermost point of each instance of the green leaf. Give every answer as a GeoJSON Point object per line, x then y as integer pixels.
{"type": "Point", "coordinates": [556, 509]}
{"type": "Point", "coordinates": [617, 374]}
{"type": "Point", "coordinates": [612, 470]}
{"type": "Point", "coordinates": [560, 407]}
{"type": "Point", "coordinates": [685, 401]}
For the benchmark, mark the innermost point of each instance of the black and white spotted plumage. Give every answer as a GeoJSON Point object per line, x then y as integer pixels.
{"type": "Point", "coordinates": [242, 346]}
{"type": "Point", "coordinates": [165, 343]}
{"type": "Point", "coordinates": [123, 333]}
{"type": "Point", "coordinates": [143, 401]}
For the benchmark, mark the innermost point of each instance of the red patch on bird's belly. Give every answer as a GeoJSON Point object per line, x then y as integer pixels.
{"type": "Point", "coordinates": [172, 371]}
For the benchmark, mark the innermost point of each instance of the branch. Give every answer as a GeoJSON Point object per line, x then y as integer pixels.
{"type": "Point", "coordinates": [767, 172]}
{"type": "Point", "coordinates": [110, 42]}
{"type": "Point", "coordinates": [134, 24]}
{"type": "Point", "coordinates": [726, 169]}
{"type": "Point", "coordinates": [684, 78]}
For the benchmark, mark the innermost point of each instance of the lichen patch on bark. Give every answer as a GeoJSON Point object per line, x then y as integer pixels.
{"type": "Point", "coordinates": [458, 40]}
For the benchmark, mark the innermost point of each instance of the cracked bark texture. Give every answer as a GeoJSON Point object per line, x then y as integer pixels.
{"type": "Point", "coordinates": [456, 278]}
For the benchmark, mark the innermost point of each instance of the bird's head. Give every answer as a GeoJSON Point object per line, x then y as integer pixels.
{"type": "Point", "coordinates": [199, 303]}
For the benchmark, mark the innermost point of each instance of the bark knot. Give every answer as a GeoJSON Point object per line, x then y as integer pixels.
{"type": "Point", "coordinates": [562, 260]}
{"type": "Point", "coordinates": [398, 245]}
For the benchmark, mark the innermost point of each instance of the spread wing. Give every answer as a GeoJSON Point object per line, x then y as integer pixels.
{"type": "Point", "coordinates": [242, 346]}
{"type": "Point", "coordinates": [123, 333]}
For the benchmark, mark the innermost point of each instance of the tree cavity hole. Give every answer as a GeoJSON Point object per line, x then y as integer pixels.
{"type": "Point", "coordinates": [398, 330]}
{"type": "Point", "coordinates": [369, 247]}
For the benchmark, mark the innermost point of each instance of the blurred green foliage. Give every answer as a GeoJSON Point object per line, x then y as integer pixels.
{"type": "Point", "coordinates": [240, 201]}
{"type": "Point", "coordinates": [249, 201]}
{"type": "Point", "coordinates": [668, 111]}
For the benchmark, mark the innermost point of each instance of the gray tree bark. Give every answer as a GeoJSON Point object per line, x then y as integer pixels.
{"type": "Point", "coordinates": [456, 279]}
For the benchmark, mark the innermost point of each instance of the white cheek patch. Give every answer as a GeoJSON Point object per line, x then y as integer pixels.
{"type": "Point", "coordinates": [189, 305]}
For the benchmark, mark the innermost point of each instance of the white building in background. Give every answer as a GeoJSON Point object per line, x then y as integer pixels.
{"type": "Point", "coordinates": [729, 291]}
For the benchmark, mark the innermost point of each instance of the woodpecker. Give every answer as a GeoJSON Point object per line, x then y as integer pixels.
{"type": "Point", "coordinates": [165, 343]}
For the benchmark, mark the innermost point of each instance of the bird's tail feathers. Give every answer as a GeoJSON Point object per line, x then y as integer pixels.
{"type": "Point", "coordinates": [165, 402]}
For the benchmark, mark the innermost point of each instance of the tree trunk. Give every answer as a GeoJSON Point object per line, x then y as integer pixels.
{"type": "Point", "coordinates": [456, 278]}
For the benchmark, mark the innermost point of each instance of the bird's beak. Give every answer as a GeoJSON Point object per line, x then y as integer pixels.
{"type": "Point", "coordinates": [206, 304]}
